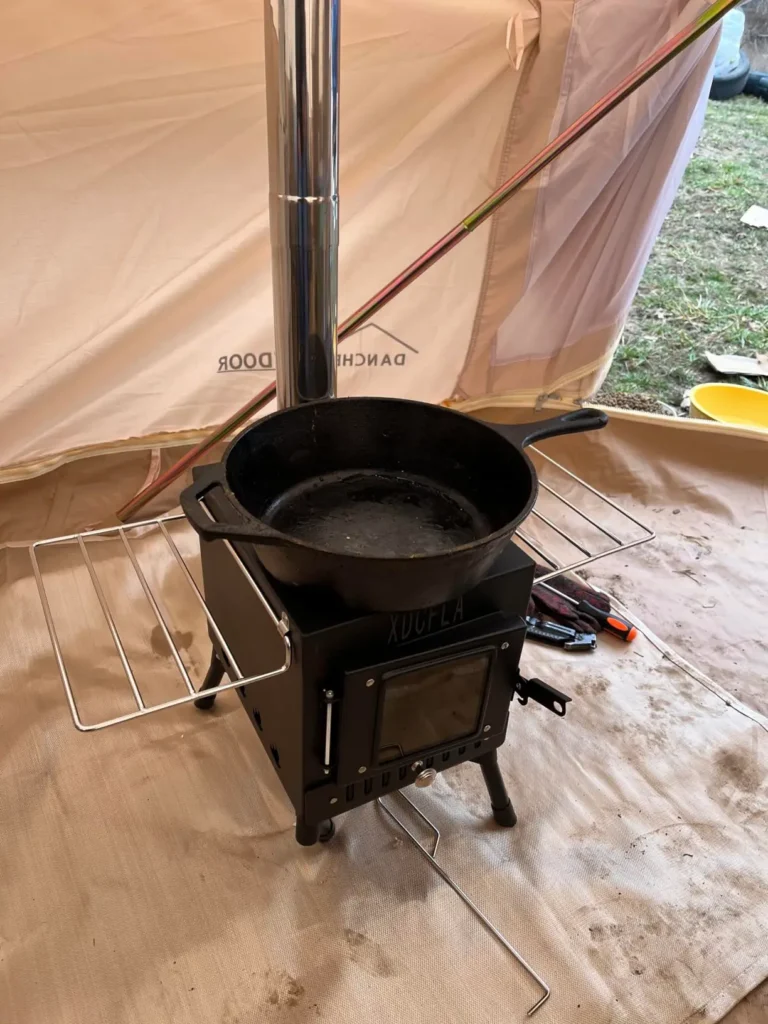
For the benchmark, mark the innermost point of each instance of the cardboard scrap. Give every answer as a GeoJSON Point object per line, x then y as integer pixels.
{"type": "Point", "coordinates": [756, 217]}
{"type": "Point", "coordinates": [739, 366]}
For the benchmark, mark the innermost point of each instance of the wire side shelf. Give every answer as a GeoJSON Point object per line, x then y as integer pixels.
{"type": "Point", "coordinates": [585, 535]}
{"type": "Point", "coordinates": [571, 526]}
{"type": "Point", "coordinates": [237, 678]}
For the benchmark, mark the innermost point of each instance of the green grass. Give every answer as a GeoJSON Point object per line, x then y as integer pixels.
{"type": "Point", "coordinates": [706, 285]}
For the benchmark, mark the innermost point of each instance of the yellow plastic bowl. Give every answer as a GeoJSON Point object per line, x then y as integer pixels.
{"type": "Point", "coordinates": [731, 403]}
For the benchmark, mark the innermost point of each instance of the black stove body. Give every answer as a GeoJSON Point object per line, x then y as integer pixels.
{"type": "Point", "coordinates": [371, 703]}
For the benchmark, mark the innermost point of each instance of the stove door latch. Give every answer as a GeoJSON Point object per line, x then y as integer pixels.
{"type": "Point", "coordinates": [550, 698]}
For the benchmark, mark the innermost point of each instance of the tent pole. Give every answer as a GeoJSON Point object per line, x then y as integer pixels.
{"type": "Point", "coordinates": [645, 71]}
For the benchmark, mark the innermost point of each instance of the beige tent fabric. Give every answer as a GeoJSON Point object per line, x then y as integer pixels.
{"type": "Point", "coordinates": [133, 213]}
{"type": "Point", "coordinates": [150, 870]}
{"type": "Point", "coordinates": [551, 311]}
{"type": "Point", "coordinates": [134, 222]}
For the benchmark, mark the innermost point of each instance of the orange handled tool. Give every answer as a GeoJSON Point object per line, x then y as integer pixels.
{"type": "Point", "coordinates": [611, 623]}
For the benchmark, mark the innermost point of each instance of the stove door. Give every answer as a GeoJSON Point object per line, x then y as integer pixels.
{"type": "Point", "coordinates": [431, 705]}
{"type": "Point", "coordinates": [396, 715]}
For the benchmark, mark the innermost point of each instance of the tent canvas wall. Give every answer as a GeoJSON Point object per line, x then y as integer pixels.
{"type": "Point", "coordinates": [134, 222]}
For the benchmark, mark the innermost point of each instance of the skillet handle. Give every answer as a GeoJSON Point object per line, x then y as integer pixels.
{"type": "Point", "coordinates": [207, 479]}
{"type": "Point", "coordinates": [523, 434]}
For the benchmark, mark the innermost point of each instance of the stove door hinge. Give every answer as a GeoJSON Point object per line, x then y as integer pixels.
{"type": "Point", "coordinates": [540, 692]}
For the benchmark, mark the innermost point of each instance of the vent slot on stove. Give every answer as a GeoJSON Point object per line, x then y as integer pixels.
{"type": "Point", "coordinates": [355, 793]}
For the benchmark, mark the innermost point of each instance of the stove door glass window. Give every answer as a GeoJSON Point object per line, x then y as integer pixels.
{"type": "Point", "coordinates": [431, 706]}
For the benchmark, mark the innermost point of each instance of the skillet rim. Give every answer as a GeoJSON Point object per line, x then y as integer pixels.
{"type": "Point", "coordinates": [278, 539]}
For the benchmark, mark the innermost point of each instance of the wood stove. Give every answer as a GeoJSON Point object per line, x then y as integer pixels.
{"type": "Point", "coordinates": [372, 702]}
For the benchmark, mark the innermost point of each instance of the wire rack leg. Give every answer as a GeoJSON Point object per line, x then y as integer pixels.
{"type": "Point", "coordinates": [461, 894]}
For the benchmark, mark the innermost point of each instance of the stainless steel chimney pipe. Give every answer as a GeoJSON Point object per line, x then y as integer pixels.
{"type": "Point", "coordinates": [302, 84]}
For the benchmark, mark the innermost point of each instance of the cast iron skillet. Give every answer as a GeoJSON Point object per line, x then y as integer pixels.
{"type": "Point", "coordinates": [395, 505]}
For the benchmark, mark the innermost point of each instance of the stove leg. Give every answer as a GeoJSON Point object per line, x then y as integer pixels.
{"type": "Point", "coordinates": [503, 811]}
{"type": "Point", "coordinates": [308, 835]}
{"type": "Point", "coordinates": [327, 830]}
{"type": "Point", "coordinates": [213, 677]}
